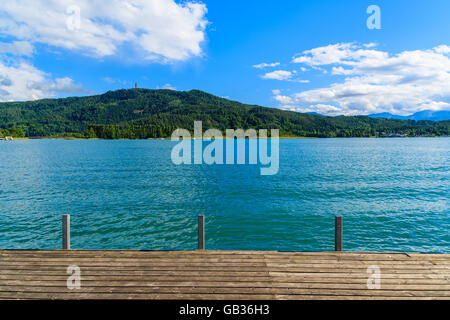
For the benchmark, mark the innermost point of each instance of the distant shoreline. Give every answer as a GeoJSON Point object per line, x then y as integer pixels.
{"type": "Point", "coordinates": [76, 138]}
{"type": "Point", "coordinates": [223, 138]}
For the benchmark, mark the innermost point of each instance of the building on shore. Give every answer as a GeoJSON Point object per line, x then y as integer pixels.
{"type": "Point", "coordinates": [395, 135]}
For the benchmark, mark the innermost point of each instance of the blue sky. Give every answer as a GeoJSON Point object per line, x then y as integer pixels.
{"type": "Point", "coordinates": [324, 57]}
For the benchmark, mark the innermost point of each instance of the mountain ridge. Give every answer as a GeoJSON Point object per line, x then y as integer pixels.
{"type": "Point", "coordinates": [149, 113]}
{"type": "Point", "coordinates": [420, 115]}
{"type": "Point", "coordinates": [440, 115]}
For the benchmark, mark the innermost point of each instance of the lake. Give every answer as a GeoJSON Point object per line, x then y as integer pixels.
{"type": "Point", "coordinates": [393, 195]}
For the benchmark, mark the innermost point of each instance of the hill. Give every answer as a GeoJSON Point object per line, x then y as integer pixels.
{"type": "Point", "coordinates": [144, 113]}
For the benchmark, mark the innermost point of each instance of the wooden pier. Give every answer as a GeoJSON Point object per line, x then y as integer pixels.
{"type": "Point", "coordinates": [224, 275]}
{"type": "Point", "coordinates": [231, 275]}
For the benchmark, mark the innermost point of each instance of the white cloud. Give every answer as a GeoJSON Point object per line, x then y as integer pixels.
{"type": "Point", "coordinates": [283, 75]}
{"type": "Point", "coordinates": [370, 45]}
{"type": "Point", "coordinates": [265, 65]}
{"type": "Point", "coordinates": [376, 81]}
{"type": "Point", "coordinates": [169, 87]}
{"type": "Point", "coordinates": [341, 53]}
{"type": "Point", "coordinates": [278, 75]}
{"type": "Point", "coordinates": [442, 49]}
{"type": "Point", "coordinates": [157, 30]}
{"type": "Point", "coordinates": [276, 91]}
{"type": "Point", "coordinates": [20, 81]}
{"type": "Point", "coordinates": [323, 55]}
{"type": "Point", "coordinates": [17, 48]}
{"type": "Point", "coordinates": [58, 85]}
{"type": "Point", "coordinates": [284, 99]}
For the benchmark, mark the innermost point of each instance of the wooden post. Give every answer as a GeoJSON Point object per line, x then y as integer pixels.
{"type": "Point", "coordinates": [338, 233]}
{"type": "Point", "coordinates": [66, 232]}
{"type": "Point", "coordinates": [201, 232]}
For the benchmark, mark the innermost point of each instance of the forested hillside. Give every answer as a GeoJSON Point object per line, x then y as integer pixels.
{"type": "Point", "coordinates": [143, 113]}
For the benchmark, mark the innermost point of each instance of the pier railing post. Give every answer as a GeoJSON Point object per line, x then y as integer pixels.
{"type": "Point", "coordinates": [338, 233]}
{"type": "Point", "coordinates": [66, 232]}
{"type": "Point", "coordinates": [201, 232]}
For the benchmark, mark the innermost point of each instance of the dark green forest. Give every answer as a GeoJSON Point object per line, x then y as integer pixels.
{"type": "Point", "coordinates": [143, 113]}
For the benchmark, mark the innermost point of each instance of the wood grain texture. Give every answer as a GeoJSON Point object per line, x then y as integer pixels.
{"type": "Point", "coordinates": [235, 275]}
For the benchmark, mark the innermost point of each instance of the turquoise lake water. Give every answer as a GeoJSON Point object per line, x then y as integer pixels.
{"type": "Point", "coordinates": [393, 195]}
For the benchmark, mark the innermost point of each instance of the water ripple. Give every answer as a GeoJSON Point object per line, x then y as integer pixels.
{"type": "Point", "coordinates": [393, 194]}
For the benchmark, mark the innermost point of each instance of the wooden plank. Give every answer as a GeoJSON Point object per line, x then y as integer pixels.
{"type": "Point", "coordinates": [214, 277]}
{"type": "Point", "coordinates": [157, 263]}
{"type": "Point", "coordinates": [200, 278]}
{"type": "Point", "coordinates": [138, 272]}
{"type": "Point", "coordinates": [229, 268]}
{"type": "Point", "coordinates": [228, 253]}
{"type": "Point", "coordinates": [236, 290]}
{"type": "Point", "coordinates": [181, 268]}
{"type": "Point", "coordinates": [225, 254]}
{"type": "Point", "coordinates": [206, 283]}
{"type": "Point", "coordinates": [137, 296]}
{"type": "Point", "coordinates": [298, 278]}
{"type": "Point", "coordinates": [206, 259]}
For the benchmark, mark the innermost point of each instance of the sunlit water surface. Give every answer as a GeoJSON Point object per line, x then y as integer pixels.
{"type": "Point", "coordinates": [393, 195]}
